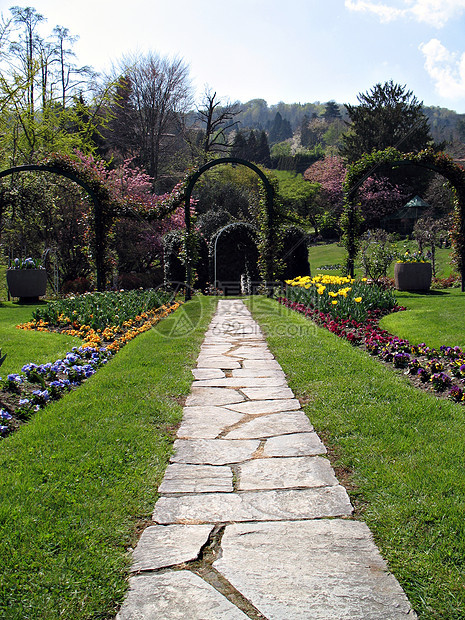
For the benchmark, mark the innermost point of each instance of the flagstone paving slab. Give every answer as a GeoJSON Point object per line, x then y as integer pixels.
{"type": "Point", "coordinates": [182, 478]}
{"type": "Point", "coordinates": [273, 424]}
{"type": "Point", "coordinates": [213, 451]}
{"type": "Point", "coordinates": [272, 393]}
{"type": "Point", "coordinates": [202, 396]}
{"type": "Point", "coordinates": [253, 373]}
{"type": "Point", "coordinates": [282, 473]}
{"type": "Point", "coordinates": [217, 361]}
{"type": "Point", "coordinates": [208, 373]}
{"type": "Point", "coordinates": [176, 595]}
{"type": "Point", "coordinates": [206, 422]}
{"type": "Point", "coordinates": [298, 444]}
{"type": "Point", "coordinates": [161, 546]}
{"type": "Point", "coordinates": [242, 382]}
{"type": "Point", "coordinates": [327, 569]}
{"type": "Point", "coordinates": [275, 505]}
{"type": "Point", "coordinates": [256, 407]}
{"type": "Point", "coordinates": [260, 364]}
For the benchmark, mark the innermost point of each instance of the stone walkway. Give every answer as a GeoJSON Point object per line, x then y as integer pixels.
{"type": "Point", "coordinates": [252, 522]}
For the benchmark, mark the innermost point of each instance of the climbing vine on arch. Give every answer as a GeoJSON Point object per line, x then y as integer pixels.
{"type": "Point", "coordinates": [270, 239]}
{"type": "Point", "coordinates": [119, 193]}
{"type": "Point", "coordinates": [351, 220]}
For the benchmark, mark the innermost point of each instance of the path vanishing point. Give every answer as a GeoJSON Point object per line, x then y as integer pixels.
{"type": "Point", "coordinates": [251, 521]}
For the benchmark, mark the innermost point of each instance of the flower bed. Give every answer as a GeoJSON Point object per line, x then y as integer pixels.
{"type": "Point", "coordinates": [99, 310]}
{"type": "Point", "coordinates": [22, 394]}
{"type": "Point", "coordinates": [340, 297]}
{"type": "Point", "coordinates": [441, 370]}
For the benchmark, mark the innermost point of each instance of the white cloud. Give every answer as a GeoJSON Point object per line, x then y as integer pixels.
{"type": "Point", "coordinates": [383, 11]}
{"type": "Point", "coordinates": [432, 12]}
{"type": "Point", "coordinates": [446, 68]}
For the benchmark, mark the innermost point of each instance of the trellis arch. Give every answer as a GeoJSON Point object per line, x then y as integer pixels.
{"type": "Point", "coordinates": [391, 158]}
{"type": "Point", "coordinates": [98, 194]}
{"type": "Point", "coordinates": [214, 243]}
{"type": "Point", "coordinates": [267, 224]}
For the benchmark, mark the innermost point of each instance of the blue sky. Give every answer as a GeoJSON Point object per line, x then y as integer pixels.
{"type": "Point", "coordinates": [280, 50]}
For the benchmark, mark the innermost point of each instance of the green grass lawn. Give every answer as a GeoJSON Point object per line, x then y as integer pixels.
{"type": "Point", "coordinates": [80, 479]}
{"type": "Point", "coordinates": [436, 318]}
{"type": "Point", "coordinates": [404, 450]}
{"type": "Point", "coordinates": [333, 254]}
{"type": "Point", "coordinates": [23, 346]}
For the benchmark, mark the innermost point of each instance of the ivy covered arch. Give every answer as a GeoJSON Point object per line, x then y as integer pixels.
{"type": "Point", "coordinates": [103, 205]}
{"type": "Point", "coordinates": [267, 221]}
{"type": "Point", "coordinates": [390, 158]}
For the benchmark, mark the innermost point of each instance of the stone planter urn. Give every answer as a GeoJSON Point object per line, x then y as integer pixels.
{"type": "Point", "coordinates": [27, 284]}
{"type": "Point", "coordinates": [413, 276]}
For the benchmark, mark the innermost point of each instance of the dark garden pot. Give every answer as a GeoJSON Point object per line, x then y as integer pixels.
{"type": "Point", "coordinates": [413, 276]}
{"type": "Point", "coordinates": [27, 284]}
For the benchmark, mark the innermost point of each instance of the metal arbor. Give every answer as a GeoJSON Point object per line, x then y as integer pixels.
{"type": "Point", "coordinates": [436, 162]}
{"type": "Point", "coordinates": [267, 226]}
{"type": "Point", "coordinates": [98, 211]}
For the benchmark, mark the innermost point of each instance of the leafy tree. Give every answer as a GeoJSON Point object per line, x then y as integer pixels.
{"type": "Point", "coordinates": [387, 115]}
{"type": "Point", "coordinates": [41, 90]}
{"type": "Point", "coordinates": [377, 254]}
{"type": "Point", "coordinates": [281, 149]}
{"type": "Point", "coordinates": [441, 196]}
{"type": "Point", "coordinates": [429, 232]}
{"type": "Point", "coordinates": [315, 131]}
{"type": "Point", "coordinates": [380, 197]}
{"type": "Point", "coordinates": [329, 173]}
{"type": "Point", "coordinates": [299, 196]}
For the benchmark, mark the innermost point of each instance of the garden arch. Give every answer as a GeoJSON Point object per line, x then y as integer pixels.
{"type": "Point", "coordinates": [97, 204]}
{"type": "Point", "coordinates": [267, 224]}
{"type": "Point", "coordinates": [215, 243]}
{"type": "Point", "coordinates": [391, 158]}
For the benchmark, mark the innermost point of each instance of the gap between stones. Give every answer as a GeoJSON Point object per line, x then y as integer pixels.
{"type": "Point", "coordinates": [202, 566]}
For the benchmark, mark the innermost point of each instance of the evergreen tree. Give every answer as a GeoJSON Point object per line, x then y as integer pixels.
{"type": "Point", "coordinates": [332, 111]}
{"type": "Point", "coordinates": [388, 115]}
{"type": "Point", "coordinates": [275, 129]}
{"type": "Point", "coordinates": [252, 147]}
{"type": "Point", "coordinates": [239, 146]}
{"type": "Point", "coordinates": [280, 129]}
{"type": "Point", "coordinates": [305, 137]}
{"type": "Point", "coordinates": [263, 150]}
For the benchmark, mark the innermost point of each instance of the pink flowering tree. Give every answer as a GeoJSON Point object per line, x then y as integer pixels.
{"type": "Point", "coordinates": [137, 234]}
{"type": "Point", "coordinates": [329, 173]}
{"type": "Point", "coordinates": [378, 196]}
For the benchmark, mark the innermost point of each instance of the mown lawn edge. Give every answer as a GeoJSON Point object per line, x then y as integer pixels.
{"type": "Point", "coordinates": [402, 447]}
{"type": "Point", "coordinates": [80, 479]}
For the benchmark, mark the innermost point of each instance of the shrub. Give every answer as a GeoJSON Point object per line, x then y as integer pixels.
{"type": "Point", "coordinates": [377, 254]}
